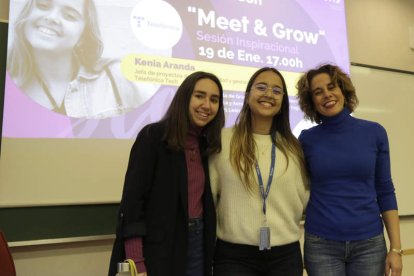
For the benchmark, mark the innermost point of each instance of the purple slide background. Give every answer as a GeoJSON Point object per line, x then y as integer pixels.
{"type": "Point", "coordinates": [24, 118]}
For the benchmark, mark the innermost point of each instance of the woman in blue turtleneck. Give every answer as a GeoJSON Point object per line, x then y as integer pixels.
{"type": "Point", "coordinates": [352, 193]}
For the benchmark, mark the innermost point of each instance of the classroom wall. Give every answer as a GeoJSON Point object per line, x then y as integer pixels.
{"type": "Point", "coordinates": [4, 10]}
{"type": "Point", "coordinates": [378, 32]}
{"type": "Point", "coordinates": [91, 258]}
{"type": "Point", "coordinates": [378, 35]}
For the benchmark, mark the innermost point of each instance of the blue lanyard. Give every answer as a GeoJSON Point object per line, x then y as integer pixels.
{"type": "Point", "coordinates": [269, 181]}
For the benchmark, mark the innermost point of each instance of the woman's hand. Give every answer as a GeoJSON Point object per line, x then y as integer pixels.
{"type": "Point", "coordinates": [393, 264]}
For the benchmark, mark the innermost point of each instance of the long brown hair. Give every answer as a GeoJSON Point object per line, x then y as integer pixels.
{"type": "Point", "coordinates": [242, 147]}
{"type": "Point", "coordinates": [177, 117]}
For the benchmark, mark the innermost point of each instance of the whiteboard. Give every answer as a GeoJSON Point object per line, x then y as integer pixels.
{"type": "Point", "coordinates": [388, 98]}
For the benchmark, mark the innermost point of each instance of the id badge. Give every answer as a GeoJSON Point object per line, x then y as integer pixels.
{"type": "Point", "coordinates": [264, 241]}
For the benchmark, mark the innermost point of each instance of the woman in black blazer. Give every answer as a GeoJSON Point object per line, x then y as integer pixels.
{"type": "Point", "coordinates": [167, 220]}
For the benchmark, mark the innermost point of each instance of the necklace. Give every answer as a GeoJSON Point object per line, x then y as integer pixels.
{"type": "Point", "coordinates": [56, 107]}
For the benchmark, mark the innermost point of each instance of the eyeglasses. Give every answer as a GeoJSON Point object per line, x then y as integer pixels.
{"type": "Point", "coordinates": [263, 87]}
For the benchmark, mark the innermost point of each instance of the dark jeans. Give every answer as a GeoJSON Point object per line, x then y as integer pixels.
{"type": "Point", "coordinates": [341, 258]}
{"type": "Point", "coordinates": [247, 260]}
{"type": "Point", "coordinates": [195, 255]}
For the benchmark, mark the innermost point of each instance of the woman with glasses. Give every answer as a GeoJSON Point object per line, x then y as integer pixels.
{"type": "Point", "coordinates": [352, 193]}
{"type": "Point", "coordinates": [259, 185]}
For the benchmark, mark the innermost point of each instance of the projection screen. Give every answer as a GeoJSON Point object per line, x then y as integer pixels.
{"type": "Point", "coordinates": [83, 77]}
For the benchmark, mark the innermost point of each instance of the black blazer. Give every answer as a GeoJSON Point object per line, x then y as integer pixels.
{"type": "Point", "coordinates": [154, 206]}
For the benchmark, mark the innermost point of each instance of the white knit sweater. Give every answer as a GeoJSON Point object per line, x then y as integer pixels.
{"type": "Point", "coordinates": [239, 212]}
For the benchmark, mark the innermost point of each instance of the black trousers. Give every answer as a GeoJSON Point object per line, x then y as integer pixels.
{"type": "Point", "coordinates": [247, 260]}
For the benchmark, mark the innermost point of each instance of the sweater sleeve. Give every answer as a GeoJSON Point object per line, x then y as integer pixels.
{"type": "Point", "coordinates": [214, 177]}
{"type": "Point", "coordinates": [133, 251]}
{"type": "Point", "coordinates": [383, 181]}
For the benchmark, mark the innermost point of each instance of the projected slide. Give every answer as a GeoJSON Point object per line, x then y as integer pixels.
{"type": "Point", "coordinates": [104, 69]}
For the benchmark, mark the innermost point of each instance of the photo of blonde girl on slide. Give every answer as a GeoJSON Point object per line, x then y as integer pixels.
{"type": "Point", "coordinates": [55, 58]}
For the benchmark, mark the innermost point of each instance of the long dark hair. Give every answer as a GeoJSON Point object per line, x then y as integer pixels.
{"type": "Point", "coordinates": [177, 117]}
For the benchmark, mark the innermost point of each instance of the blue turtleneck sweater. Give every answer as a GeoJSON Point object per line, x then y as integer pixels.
{"type": "Point", "coordinates": [349, 165]}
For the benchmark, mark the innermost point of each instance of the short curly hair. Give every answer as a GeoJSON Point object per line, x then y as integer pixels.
{"type": "Point", "coordinates": [338, 77]}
